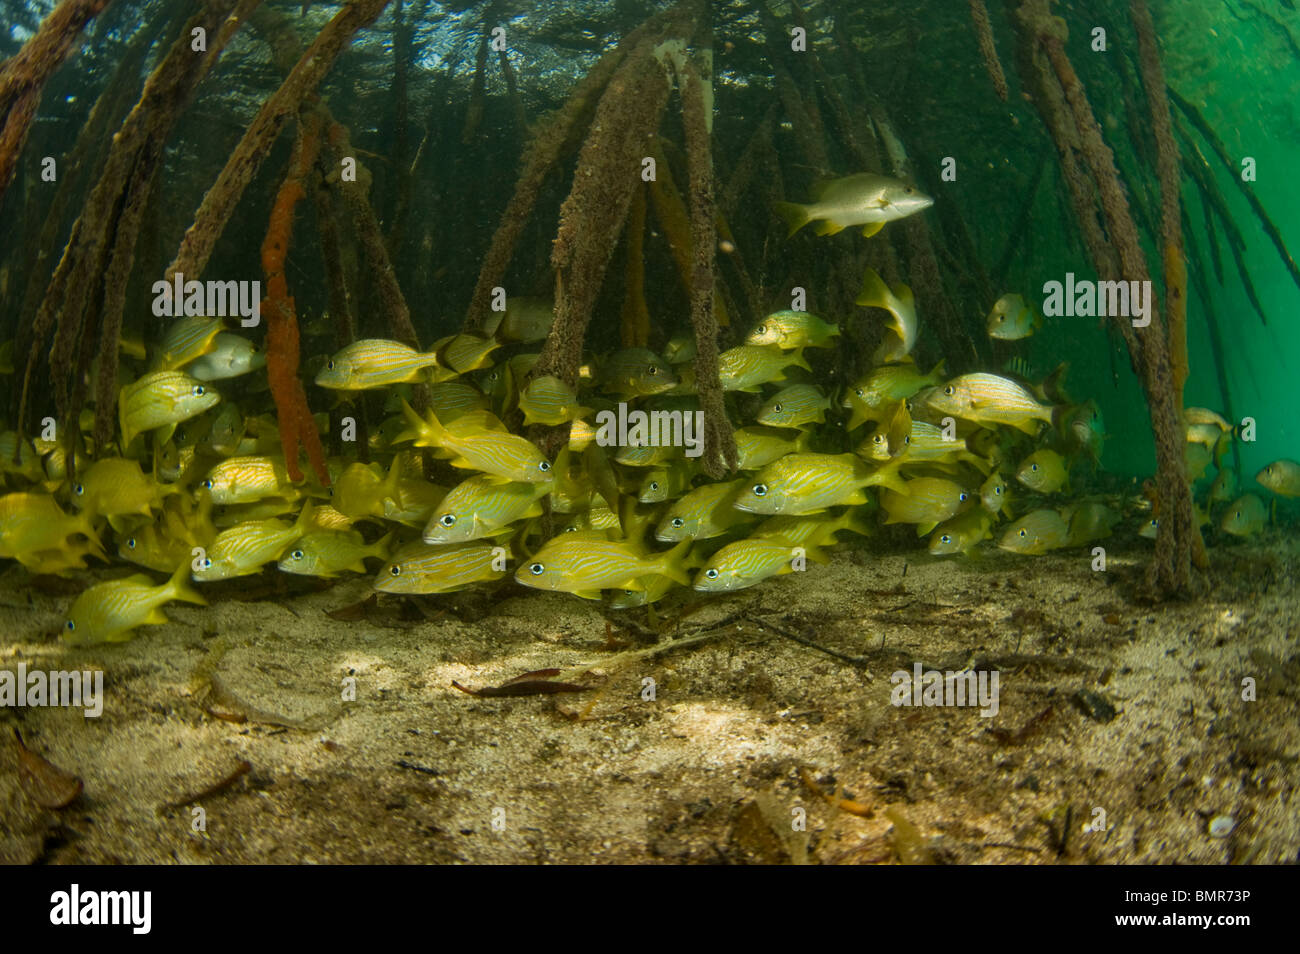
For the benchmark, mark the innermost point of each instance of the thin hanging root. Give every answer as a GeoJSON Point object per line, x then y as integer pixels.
{"type": "Point", "coordinates": [979, 15]}
{"type": "Point", "coordinates": [635, 315]}
{"type": "Point", "coordinates": [1216, 144]}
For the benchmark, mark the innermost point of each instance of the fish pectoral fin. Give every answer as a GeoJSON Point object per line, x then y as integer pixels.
{"type": "Point", "coordinates": [828, 227]}
{"type": "Point", "coordinates": [871, 228]}
{"type": "Point", "coordinates": [594, 594]}
{"type": "Point", "coordinates": [156, 617]}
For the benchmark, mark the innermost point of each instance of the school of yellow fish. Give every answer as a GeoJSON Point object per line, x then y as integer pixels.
{"type": "Point", "coordinates": [195, 488]}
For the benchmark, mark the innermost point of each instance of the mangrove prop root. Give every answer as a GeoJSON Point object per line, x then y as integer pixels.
{"type": "Point", "coordinates": [1170, 570]}
{"type": "Point", "coordinates": [297, 428]}
{"type": "Point", "coordinates": [979, 15]}
{"type": "Point", "coordinates": [635, 323]}
{"type": "Point", "coordinates": [549, 143]}
{"type": "Point", "coordinates": [592, 216]}
{"type": "Point", "coordinates": [90, 279]}
{"type": "Point", "coordinates": [719, 454]}
{"type": "Point", "coordinates": [23, 76]}
{"type": "Point", "coordinates": [1167, 167]}
{"type": "Point", "coordinates": [220, 201]}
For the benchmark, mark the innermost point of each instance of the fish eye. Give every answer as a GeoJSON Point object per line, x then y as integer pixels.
{"type": "Point", "coordinates": [79, 489]}
{"type": "Point", "coordinates": [70, 625]}
{"type": "Point", "coordinates": [949, 390]}
{"type": "Point", "coordinates": [998, 490]}
{"type": "Point", "coordinates": [297, 554]}
{"type": "Point", "coordinates": [544, 466]}
{"type": "Point", "coordinates": [207, 562]}
{"type": "Point", "coordinates": [130, 544]}
{"type": "Point", "coordinates": [946, 538]}
{"type": "Point", "coordinates": [907, 439]}
{"type": "Point", "coordinates": [1024, 532]}
{"type": "Point", "coordinates": [761, 329]}
{"type": "Point", "coordinates": [395, 569]}
{"type": "Point", "coordinates": [711, 573]}
{"type": "Point", "coordinates": [878, 439]}
{"type": "Point", "coordinates": [447, 519]}
{"type": "Point", "coordinates": [778, 408]}
{"type": "Point", "coordinates": [678, 522]}
{"type": "Point", "coordinates": [1033, 467]}
{"type": "Point", "coordinates": [199, 390]}
{"type": "Point", "coordinates": [908, 190]}
{"type": "Point", "coordinates": [652, 370]}
{"type": "Point", "coordinates": [329, 365]}
{"type": "Point", "coordinates": [654, 485]}
{"type": "Point", "coordinates": [536, 569]}
{"type": "Point", "coordinates": [963, 496]}
{"type": "Point", "coordinates": [760, 490]}
{"type": "Point", "coordinates": [207, 484]}
{"type": "Point", "coordinates": [858, 391]}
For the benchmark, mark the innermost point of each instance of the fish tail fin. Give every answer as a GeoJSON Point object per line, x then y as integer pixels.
{"type": "Point", "coordinates": [1053, 386]}
{"type": "Point", "coordinates": [796, 358]}
{"type": "Point", "coordinates": [381, 547]}
{"type": "Point", "coordinates": [857, 521]}
{"type": "Point", "coordinates": [796, 216]}
{"type": "Point", "coordinates": [305, 517]}
{"type": "Point", "coordinates": [673, 563]}
{"type": "Point", "coordinates": [875, 293]}
{"type": "Point", "coordinates": [178, 587]}
{"type": "Point", "coordinates": [937, 373]}
{"type": "Point", "coordinates": [424, 431]}
{"type": "Point", "coordinates": [392, 485]}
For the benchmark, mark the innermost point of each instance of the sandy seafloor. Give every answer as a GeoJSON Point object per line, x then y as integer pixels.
{"type": "Point", "coordinates": [715, 767]}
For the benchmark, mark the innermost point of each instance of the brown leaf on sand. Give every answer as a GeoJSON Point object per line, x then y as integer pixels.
{"type": "Point", "coordinates": [44, 782]}
{"type": "Point", "coordinates": [357, 611]}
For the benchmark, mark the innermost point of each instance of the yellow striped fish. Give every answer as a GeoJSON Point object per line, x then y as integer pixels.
{"type": "Point", "coordinates": [758, 446]}
{"type": "Point", "coordinates": [636, 372]}
{"type": "Point", "coordinates": [450, 399]}
{"type": "Point", "coordinates": [883, 387]}
{"type": "Point", "coordinates": [666, 482]}
{"type": "Point", "coordinates": [991, 399]}
{"type": "Point", "coordinates": [327, 553]}
{"type": "Point", "coordinates": [424, 568]}
{"type": "Point", "coordinates": [1035, 533]}
{"type": "Point", "coordinates": [161, 400]}
{"type": "Point", "coordinates": [961, 533]}
{"type": "Point", "coordinates": [419, 499]}
{"type": "Point", "coordinates": [185, 340]}
{"type": "Point", "coordinates": [793, 329]}
{"type": "Point", "coordinates": [795, 406]}
{"type": "Point", "coordinates": [478, 441]}
{"type": "Point", "coordinates": [482, 506]}
{"type": "Point", "coordinates": [573, 563]}
{"type": "Point", "coordinates": [747, 367]}
{"type": "Point", "coordinates": [1245, 516]}
{"type": "Point", "coordinates": [361, 492]}
{"type": "Point", "coordinates": [704, 513]}
{"type": "Point", "coordinates": [374, 363]}
{"type": "Point", "coordinates": [1282, 477]}
{"type": "Point", "coordinates": [548, 400]}
{"type": "Point", "coordinates": [995, 496]}
{"type": "Point", "coordinates": [809, 483]}
{"type": "Point", "coordinates": [109, 612]}
{"type": "Point", "coordinates": [246, 547]}
{"type": "Point", "coordinates": [749, 562]}
{"type": "Point", "coordinates": [32, 524]}
{"type": "Point", "coordinates": [926, 502]}
{"type": "Point", "coordinates": [815, 530]}
{"type": "Point", "coordinates": [241, 480]}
